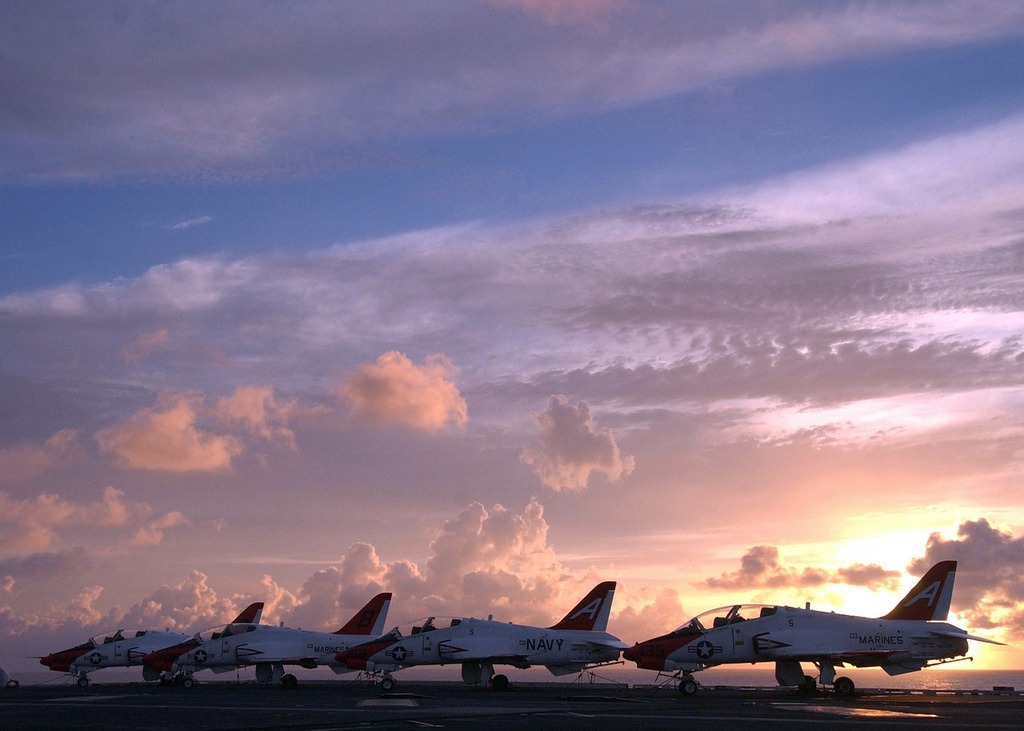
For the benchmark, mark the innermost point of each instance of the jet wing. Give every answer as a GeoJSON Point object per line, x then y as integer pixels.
{"type": "Point", "coordinates": [251, 654]}
{"type": "Point", "coordinates": [961, 635]}
{"type": "Point", "coordinates": [467, 649]}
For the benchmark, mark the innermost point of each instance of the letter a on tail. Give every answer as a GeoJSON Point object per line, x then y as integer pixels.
{"type": "Point", "coordinates": [592, 611]}
{"type": "Point", "coordinates": [930, 597]}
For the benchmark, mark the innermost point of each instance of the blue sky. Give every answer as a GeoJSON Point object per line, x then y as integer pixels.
{"type": "Point", "coordinates": [500, 299]}
{"type": "Point", "coordinates": [502, 165]}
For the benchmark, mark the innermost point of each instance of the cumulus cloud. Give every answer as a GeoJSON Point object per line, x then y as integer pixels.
{"type": "Point", "coordinates": [24, 461]}
{"type": "Point", "coordinates": [152, 533]}
{"type": "Point", "coordinates": [482, 561]}
{"type": "Point", "coordinates": [33, 524]}
{"type": "Point", "coordinates": [640, 616]}
{"type": "Point", "coordinates": [329, 597]}
{"type": "Point", "coordinates": [761, 567]}
{"type": "Point", "coordinates": [258, 410]}
{"type": "Point", "coordinates": [989, 587]}
{"type": "Point", "coordinates": [167, 438]}
{"type": "Point", "coordinates": [395, 391]}
{"type": "Point", "coordinates": [569, 450]}
{"type": "Point", "coordinates": [189, 605]}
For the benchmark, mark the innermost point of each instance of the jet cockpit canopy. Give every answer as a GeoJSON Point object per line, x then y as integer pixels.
{"type": "Point", "coordinates": [419, 626]}
{"type": "Point", "coordinates": [723, 616]}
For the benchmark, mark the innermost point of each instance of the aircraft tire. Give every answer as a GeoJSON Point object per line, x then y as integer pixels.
{"type": "Point", "coordinates": [843, 687]}
{"type": "Point", "coordinates": [687, 686]}
{"type": "Point", "coordinates": [387, 683]}
{"type": "Point", "coordinates": [82, 682]}
{"type": "Point", "coordinates": [289, 681]}
{"type": "Point", "coordinates": [188, 682]}
{"type": "Point", "coordinates": [499, 683]}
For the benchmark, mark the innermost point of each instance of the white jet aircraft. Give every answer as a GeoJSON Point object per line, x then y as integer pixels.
{"type": "Point", "coordinates": [579, 641]}
{"type": "Point", "coordinates": [905, 640]}
{"type": "Point", "coordinates": [267, 647]}
{"type": "Point", "coordinates": [123, 648]}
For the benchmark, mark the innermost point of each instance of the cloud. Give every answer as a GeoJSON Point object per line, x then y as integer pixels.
{"type": "Point", "coordinates": [316, 79]}
{"type": "Point", "coordinates": [932, 173]}
{"type": "Point", "coordinates": [166, 438]}
{"type": "Point", "coordinates": [761, 567]}
{"type": "Point", "coordinates": [25, 461]}
{"type": "Point", "coordinates": [152, 533]}
{"type": "Point", "coordinates": [187, 606]}
{"type": "Point", "coordinates": [45, 566]}
{"type": "Point", "coordinates": [989, 588]}
{"type": "Point", "coordinates": [256, 408]}
{"type": "Point", "coordinates": [199, 221]}
{"type": "Point", "coordinates": [82, 610]}
{"type": "Point", "coordinates": [482, 561]}
{"type": "Point", "coordinates": [641, 617]}
{"type": "Point", "coordinates": [172, 436]}
{"type": "Point", "coordinates": [32, 524]}
{"type": "Point", "coordinates": [145, 345]}
{"type": "Point", "coordinates": [326, 598]}
{"type": "Point", "coordinates": [395, 391]}
{"type": "Point", "coordinates": [570, 450]}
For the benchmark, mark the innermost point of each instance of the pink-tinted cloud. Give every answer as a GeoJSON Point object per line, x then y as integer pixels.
{"type": "Point", "coordinates": [395, 391]}
{"type": "Point", "coordinates": [189, 605]}
{"type": "Point", "coordinates": [326, 598]}
{"type": "Point", "coordinates": [152, 533]}
{"type": "Point", "coordinates": [570, 450]}
{"type": "Point", "coordinates": [761, 567]}
{"type": "Point", "coordinates": [483, 561]}
{"type": "Point", "coordinates": [32, 524]}
{"type": "Point", "coordinates": [24, 461]}
{"type": "Point", "coordinates": [167, 438]}
{"type": "Point", "coordinates": [257, 409]}
{"type": "Point", "coordinates": [647, 618]}
{"type": "Point", "coordinates": [145, 345]}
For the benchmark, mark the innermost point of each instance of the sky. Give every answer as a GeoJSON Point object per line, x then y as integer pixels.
{"type": "Point", "coordinates": [483, 303]}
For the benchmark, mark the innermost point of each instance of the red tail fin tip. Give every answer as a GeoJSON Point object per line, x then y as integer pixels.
{"type": "Point", "coordinates": [931, 596]}
{"type": "Point", "coordinates": [250, 615]}
{"type": "Point", "coordinates": [370, 619]}
{"type": "Point", "coordinates": [592, 611]}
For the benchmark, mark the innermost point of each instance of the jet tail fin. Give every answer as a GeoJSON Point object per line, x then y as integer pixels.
{"type": "Point", "coordinates": [592, 611]}
{"type": "Point", "coordinates": [250, 615]}
{"type": "Point", "coordinates": [370, 619]}
{"type": "Point", "coordinates": [930, 597]}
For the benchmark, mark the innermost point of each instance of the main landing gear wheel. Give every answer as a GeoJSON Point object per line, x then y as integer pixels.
{"type": "Point", "coordinates": [387, 683]}
{"type": "Point", "coordinates": [843, 687]}
{"type": "Point", "coordinates": [499, 683]}
{"type": "Point", "coordinates": [687, 686]}
{"type": "Point", "coordinates": [289, 681]}
{"type": "Point", "coordinates": [188, 682]}
{"type": "Point", "coordinates": [82, 682]}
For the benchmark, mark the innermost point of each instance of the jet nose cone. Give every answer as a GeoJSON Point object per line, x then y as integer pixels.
{"type": "Point", "coordinates": [632, 653]}
{"type": "Point", "coordinates": [57, 661]}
